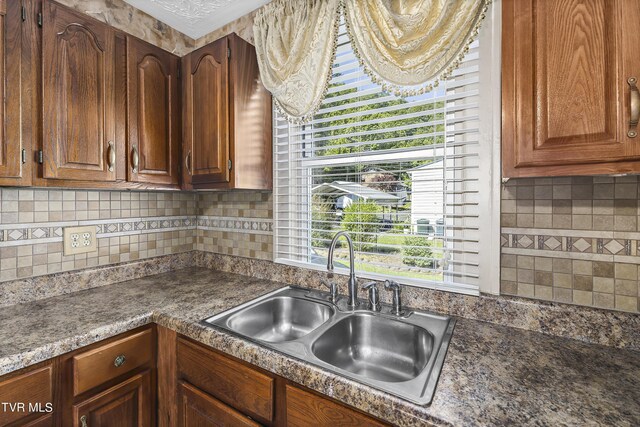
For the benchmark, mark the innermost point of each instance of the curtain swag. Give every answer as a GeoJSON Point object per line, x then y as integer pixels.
{"type": "Point", "coordinates": [406, 46]}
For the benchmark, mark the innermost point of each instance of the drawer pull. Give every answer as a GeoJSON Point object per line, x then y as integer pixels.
{"type": "Point", "coordinates": [187, 162]}
{"type": "Point", "coordinates": [119, 361]}
{"type": "Point", "coordinates": [634, 98]}
{"type": "Point", "coordinates": [83, 421]}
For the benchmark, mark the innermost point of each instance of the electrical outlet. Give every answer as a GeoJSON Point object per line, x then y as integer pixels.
{"type": "Point", "coordinates": [79, 240]}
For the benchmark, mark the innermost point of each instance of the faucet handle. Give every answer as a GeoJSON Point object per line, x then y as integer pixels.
{"type": "Point", "coordinates": [369, 285]}
{"type": "Point", "coordinates": [374, 297]}
{"type": "Point", "coordinates": [391, 285]}
{"type": "Point", "coordinates": [333, 289]}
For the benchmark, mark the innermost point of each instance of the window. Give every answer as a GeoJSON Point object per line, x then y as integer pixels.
{"type": "Point", "coordinates": [411, 179]}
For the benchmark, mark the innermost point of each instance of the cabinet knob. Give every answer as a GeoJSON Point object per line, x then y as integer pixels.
{"type": "Point", "coordinates": [111, 156]}
{"type": "Point", "coordinates": [119, 361]}
{"type": "Point", "coordinates": [83, 421]}
{"type": "Point", "coordinates": [634, 107]}
{"type": "Point", "coordinates": [135, 159]}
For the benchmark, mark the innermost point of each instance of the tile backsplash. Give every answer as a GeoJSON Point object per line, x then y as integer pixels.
{"type": "Point", "coordinates": [130, 225]}
{"type": "Point", "coordinates": [236, 223]}
{"type": "Point", "coordinates": [574, 240]}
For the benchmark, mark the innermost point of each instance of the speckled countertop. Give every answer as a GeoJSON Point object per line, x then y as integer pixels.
{"type": "Point", "coordinates": [493, 375]}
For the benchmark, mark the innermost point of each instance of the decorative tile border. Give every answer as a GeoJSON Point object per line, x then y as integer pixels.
{"type": "Point", "coordinates": [238, 225]}
{"type": "Point", "coordinates": [25, 234]}
{"type": "Point", "coordinates": [571, 241]}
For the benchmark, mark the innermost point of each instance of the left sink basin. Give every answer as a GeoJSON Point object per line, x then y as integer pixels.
{"type": "Point", "coordinates": [279, 318]}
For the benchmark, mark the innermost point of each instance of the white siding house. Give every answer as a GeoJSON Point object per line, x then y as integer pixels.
{"type": "Point", "coordinates": [427, 194]}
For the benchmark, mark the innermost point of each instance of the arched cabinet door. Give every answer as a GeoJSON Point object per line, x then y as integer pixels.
{"type": "Point", "coordinates": [153, 109]}
{"type": "Point", "coordinates": [78, 96]}
{"type": "Point", "coordinates": [206, 115]}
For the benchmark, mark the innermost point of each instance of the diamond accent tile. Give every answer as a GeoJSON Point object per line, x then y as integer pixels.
{"type": "Point", "coordinates": [552, 243]}
{"type": "Point", "coordinates": [613, 246]}
{"type": "Point", "coordinates": [525, 241]}
{"type": "Point", "coordinates": [17, 234]}
{"type": "Point", "coordinates": [581, 245]}
{"type": "Point", "coordinates": [40, 233]}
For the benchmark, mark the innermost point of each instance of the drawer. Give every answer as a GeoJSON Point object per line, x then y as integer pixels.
{"type": "Point", "coordinates": [33, 387]}
{"type": "Point", "coordinates": [237, 385]}
{"type": "Point", "coordinates": [97, 366]}
{"type": "Point", "coordinates": [197, 408]}
{"type": "Point", "coordinates": [305, 409]}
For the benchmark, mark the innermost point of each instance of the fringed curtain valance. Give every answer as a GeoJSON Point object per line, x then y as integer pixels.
{"type": "Point", "coordinates": [407, 46]}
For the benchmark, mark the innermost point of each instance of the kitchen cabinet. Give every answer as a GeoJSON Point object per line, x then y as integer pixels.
{"type": "Point", "coordinates": [153, 114]}
{"type": "Point", "coordinates": [15, 151]}
{"type": "Point", "coordinates": [215, 389]}
{"type": "Point", "coordinates": [126, 404]}
{"type": "Point", "coordinates": [31, 387]}
{"type": "Point", "coordinates": [570, 100]}
{"type": "Point", "coordinates": [78, 103]}
{"type": "Point", "coordinates": [227, 117]}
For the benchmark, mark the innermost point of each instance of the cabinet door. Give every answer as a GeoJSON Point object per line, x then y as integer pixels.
{"type": "Point", "coordinates": [566, 97]}
{"type": "Point", "coordinates": [78, 96]}
{"type": "Point", "coordinates": [198, 409]}
{"type": "Point", "coordinates": [152, 92]}
{"type": "Point", "coordinates": [11, 144]}
{"type": "Point", "coordinates": [206, 114]}
{"type": "Point", "coordinates": [128, 404]}
{"type": "Point", "coordinates": [305, 409]}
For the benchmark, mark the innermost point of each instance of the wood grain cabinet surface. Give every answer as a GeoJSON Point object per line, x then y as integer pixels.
{"type": "Point", "coordinates": [153, 146]}
{"type": "Point", "coordinates": [32, 387]}
{"type": "Point", "coordinates": [78, 61]}
{"type": "Point", "coordinates": [14, 150]}
{"type": "Point", "coordinates": [569, 76]}
{"type": "Point", "coordinates": [227, 118]}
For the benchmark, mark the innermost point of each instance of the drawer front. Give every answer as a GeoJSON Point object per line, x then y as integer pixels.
{"type": "Point", "coordinates": [306, 409]}
{"type": "Point", "coordinates": [197, 408]}
{"type": "Point", "coordinates": [32, 387]}
{"type": "Point", "coordinates": [235, 384]}
{"type": "Point", "coordinates": [97, 366]}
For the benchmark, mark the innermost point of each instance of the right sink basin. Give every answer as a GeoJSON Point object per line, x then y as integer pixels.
{"type": "Point", "coordinates": [374, 347]}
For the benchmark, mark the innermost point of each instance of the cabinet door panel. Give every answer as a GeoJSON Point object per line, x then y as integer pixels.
{"type": "Point", "coordinates": [197, 409]}
{"type": "Point", "coordinates": [127, 404]}
{"type": "Point", "coordinates": [11, 144]}
{"type": "Point", "coordinates": [78, 68]}
{"type": "Point", "coordinates": [153, 113]}
{"type": "Point", "coordinates": [207, 114]}
{"type": "Point", "coordinates": [565, 91]}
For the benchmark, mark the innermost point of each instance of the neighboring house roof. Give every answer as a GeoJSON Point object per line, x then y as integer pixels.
{"type": "Point", "coordinates": [433, 165]}
{"type": "Point", "coordinates": [340, 188]}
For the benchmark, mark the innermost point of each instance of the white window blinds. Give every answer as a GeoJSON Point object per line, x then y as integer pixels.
{"type": "Point", "coordinates": [401, 175]}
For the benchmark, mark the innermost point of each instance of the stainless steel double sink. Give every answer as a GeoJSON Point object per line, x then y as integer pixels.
{"type": "Point", "coordinates": [401, 355]}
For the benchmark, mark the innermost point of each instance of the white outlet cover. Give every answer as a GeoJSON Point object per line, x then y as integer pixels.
{"type": "Point", "coordinates": [79, 240]}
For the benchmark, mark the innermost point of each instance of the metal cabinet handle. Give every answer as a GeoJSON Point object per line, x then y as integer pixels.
{"type": "Point", "coordinates": [135, 159]}
{"type": "Point", "coordinates": [119, 361]}
{"type": "Point", "coordinates": [187, 162]}
{"type": "Point", "coordinates": [83, 421]}
{"type": "Point", "coordinates": [111, 156]}
{"type": "Point", "coordinates": [634, 98]}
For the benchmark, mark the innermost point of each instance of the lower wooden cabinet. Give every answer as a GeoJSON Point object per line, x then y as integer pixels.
{"type": "Point", "coordinates": [27, 397]}
{"type": "Point", "coordinates": [218, 390]}
{"type": "Point", "coordinates": [128, 404]}
{"type": "Point", "coordinates": [198, 409]}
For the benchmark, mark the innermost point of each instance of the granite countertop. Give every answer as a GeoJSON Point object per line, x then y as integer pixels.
{"type": "Point", "coordinates": [492, 375]}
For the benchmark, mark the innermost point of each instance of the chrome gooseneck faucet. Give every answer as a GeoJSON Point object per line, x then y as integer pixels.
{"type": "Point", "coordinates": [353, 283]}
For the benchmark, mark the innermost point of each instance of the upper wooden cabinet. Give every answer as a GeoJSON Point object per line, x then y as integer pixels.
{"type": "Point", "coordinates": [226, 118]}
{"type": "Point", "coordinates": [569, 76]}
{"type": "Point", "coordinates": [206, 114]}
{"type": "Point", "coordinates": [154, 114]}
{"type": "Point", "coordinates": [15, 159]}
{"type": "Point", "coordinates": [78, 96]}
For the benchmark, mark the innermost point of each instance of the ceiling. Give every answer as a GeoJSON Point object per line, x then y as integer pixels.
{"type": "Point", "coordinates": [197, 18]}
